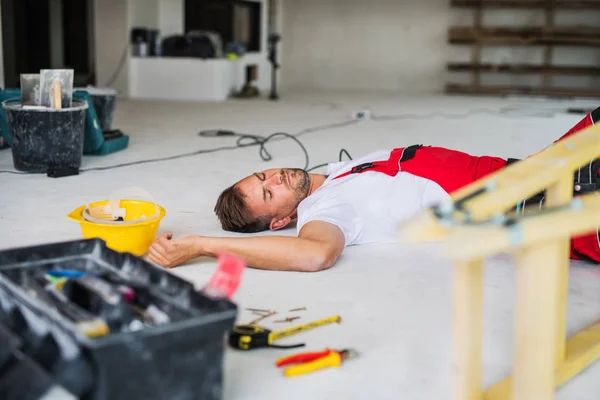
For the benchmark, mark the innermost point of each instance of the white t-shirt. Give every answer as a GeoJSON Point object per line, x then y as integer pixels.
{"type": "Point", "coordinates": [368, 207]}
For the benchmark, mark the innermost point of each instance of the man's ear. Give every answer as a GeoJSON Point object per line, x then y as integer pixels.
{"type": "Point", "coordinates": [278, 223]}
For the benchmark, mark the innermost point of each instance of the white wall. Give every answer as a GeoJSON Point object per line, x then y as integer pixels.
{"type": "Point", "coordinates": [144, 13]}
{"type": "Point", "coordinates": [171, 17]}
{"type": "Point", "coordinates": [402, 45]}
{"type": "Point", "coordinates": [112, 38]}
{"type": "Point", "coordinates": [374, 45]}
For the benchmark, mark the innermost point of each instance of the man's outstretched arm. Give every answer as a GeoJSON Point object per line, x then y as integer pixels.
{"type": "Point", "coordinates": [317, 247]}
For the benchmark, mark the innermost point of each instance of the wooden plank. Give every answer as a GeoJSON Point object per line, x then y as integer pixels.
{"type": "Point", "coordinates": [490, 239]}
{"type": "Point", "coordinates": [524, 69]}
{"type": "Point", "coordinates": [560, 194]}
{"type": "Point", "coordinates": [529, 4]}
{"type": "Point", "coordinates": [506, 187]}
{"type": "Point", "coordinates": [526, 36]}
{"type": "Point", "coordinates": [568, 31]}
{"type": "Point", "coordinates": [521, 90]}
{"type": "Point", "coordinates": [537, 292]}
{"type": "Point", "coordinates": [467, 327]}
{"type": "Point", "coordinates": [582, 349]}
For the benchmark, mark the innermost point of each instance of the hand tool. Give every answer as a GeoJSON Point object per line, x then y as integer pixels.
{"type": "Point", "coordinates": [311, 362]}
{"type": "Point", "coordinates": [56, 88]}
{"type": "Point", "coordinates": [249, 337]}
{"type": "Point", "coordinates": [30, 89]}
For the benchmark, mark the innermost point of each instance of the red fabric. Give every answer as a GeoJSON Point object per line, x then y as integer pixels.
{"type": "Point", "coordinates": [584, 247]}
{"type": "Point", "coordinates": [584, 123]}
{"type": "Point", "coordinates": [453, 169]}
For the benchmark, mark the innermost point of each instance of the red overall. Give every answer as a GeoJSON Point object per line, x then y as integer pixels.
{"type": "Point", "coordinates": [453, 170]}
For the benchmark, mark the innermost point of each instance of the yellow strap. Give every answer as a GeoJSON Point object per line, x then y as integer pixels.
{"type": "Point", "coordinates": [275, 335]}
{"type": "Point", "coordinates": [332, 360]}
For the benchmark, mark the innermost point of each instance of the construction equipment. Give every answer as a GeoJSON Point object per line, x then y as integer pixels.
{"type": "Point", "coordinates": [251, 336]}
{"type": "Point", "coordinates": [476, 224]}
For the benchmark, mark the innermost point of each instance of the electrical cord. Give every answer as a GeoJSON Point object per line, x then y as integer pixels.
{"type": "Point", "coordinates": [244, 140]}
{"type": "Point", "coordinates": [117, 71]}
{"type": "Point", "coordinates": [247, 140]}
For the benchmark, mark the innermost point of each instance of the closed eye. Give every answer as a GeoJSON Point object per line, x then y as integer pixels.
{"type": "Point", "coordinates": [267, 193]}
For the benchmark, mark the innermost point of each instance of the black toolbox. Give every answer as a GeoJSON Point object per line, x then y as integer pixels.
{"type": "Point", "coordinates": [42, 353]}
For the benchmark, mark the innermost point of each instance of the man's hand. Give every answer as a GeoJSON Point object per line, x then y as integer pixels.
{"type": "Point", "coordinates": [169, 252]}
{"type": "Point", "coordinates": [316, 248]}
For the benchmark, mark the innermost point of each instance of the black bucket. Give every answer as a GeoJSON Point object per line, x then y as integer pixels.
{"type": "Point", "coordinates": [44, 137]}
{"type": "Point", "coordinates": [104, 101]}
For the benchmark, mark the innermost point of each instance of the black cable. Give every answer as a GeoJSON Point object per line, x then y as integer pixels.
{"type": "Point", "coordinates": [117, 72]}
{"type": "Point", "coordinates": [342, 151]}
{"type": "Point", "coordinates": [244, 140]}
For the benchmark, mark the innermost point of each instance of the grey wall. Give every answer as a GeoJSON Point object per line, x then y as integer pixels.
{"type": "Point", "coordinates": [144, 13]}
{"type": "Point", "coordinates": [365, 45]}
{"type": "Point", "coordinates": [171, 17]}
{"type": "Point", "coordinates": [112, 36]}
{"type": "Point", "coordinates": [401, 45]}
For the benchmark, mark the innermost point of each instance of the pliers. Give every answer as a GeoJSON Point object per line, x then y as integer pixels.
{"type": "Point", "coordinates": [311, 362]}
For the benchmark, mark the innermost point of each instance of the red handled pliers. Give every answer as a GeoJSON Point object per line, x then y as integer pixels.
{"type": "Point", "coordinates": [310, 362]}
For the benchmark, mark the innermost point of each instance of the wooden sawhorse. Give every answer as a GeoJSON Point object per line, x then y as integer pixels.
{"type": "Point", "coordinates": [479, 223]}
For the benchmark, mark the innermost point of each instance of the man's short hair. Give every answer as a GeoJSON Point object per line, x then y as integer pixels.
{"type": "Point", "coordinates": [234, 214]}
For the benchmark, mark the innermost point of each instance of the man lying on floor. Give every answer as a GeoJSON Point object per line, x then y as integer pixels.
{"type": "Point", "coordinates": [358, 202]}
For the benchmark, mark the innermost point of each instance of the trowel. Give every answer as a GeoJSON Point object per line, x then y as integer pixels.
{"type": "Point", "coordinates": [30, 89]}
{"type": "Point", "coordinates": [56, 88]}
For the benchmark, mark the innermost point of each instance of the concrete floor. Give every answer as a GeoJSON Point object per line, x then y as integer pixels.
{"type": "Point", "coordinates": [395, 300]}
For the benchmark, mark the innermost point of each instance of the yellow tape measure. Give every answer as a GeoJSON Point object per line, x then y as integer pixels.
{"type": "Point", "coordinates": [248, 337]}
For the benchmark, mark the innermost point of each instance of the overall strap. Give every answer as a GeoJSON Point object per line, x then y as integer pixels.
{"type": "Point", "coordinates": [389, 167]}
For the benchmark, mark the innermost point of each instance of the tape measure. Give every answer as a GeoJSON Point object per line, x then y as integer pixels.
{"type": "Point", "coordinates": [249, 337]}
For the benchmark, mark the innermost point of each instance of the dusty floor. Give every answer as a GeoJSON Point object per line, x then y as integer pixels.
{"type": "Point", "coordinates": [394, 300]}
